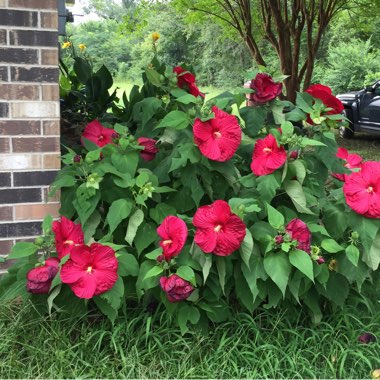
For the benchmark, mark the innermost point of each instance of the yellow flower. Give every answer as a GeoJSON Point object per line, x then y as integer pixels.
{"type": "Point", "coordinates": [82, 47]}
{"type": "Point", "coordinates": [375, 374]}
{"type": "Point", "coordinates": [155, 36]}
{"type": "Point", "coordinates": [66, 45]}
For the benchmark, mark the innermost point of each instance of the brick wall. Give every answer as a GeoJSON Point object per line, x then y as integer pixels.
{"type": "Point", "coordinates": [29, 117]}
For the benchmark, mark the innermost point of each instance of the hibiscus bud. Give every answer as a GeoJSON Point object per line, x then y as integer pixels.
{"type": "Point", "coordinates": [39, 279]}
{"type": "Point", "coordinates": [279, 239]}
{"type": "Point", "coordinates": [367, 338]}
{"type": "Point", "coordinates": [160, 258]}
{"type": "Point", "coordinates": [39, 241]}
{"type": "Point", "coordinates": [115, 137]}
{"type": "Point", "coordinates": [320, 260]}
{"type": "Point", "coordinates": [176, 288]}
{"type": "Point", "coordinates": [165, 99]}
{"type": "Point", "coordinates": [93, 181]}
{"type": "Point", "coordinates": [354, 236]}
{"type": "Point", "coordinates": [150, 150]}
{"type": "Point", "coordinates": [77, 158]}
{"type": "Point", "coordinates": [293, 155]}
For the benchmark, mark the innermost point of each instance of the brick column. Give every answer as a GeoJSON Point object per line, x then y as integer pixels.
{"type": "Point", "coordinates": [29, 116]}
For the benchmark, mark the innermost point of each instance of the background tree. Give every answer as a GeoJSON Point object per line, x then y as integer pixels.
{"type": "Point", "coordinates": [294, 28]}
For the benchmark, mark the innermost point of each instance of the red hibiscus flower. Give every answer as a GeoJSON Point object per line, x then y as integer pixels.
{"type": "Point", "coordinates": [299, 231]}
{"type": "Point", "coordinates": [98, 134]}
{"type": "Point", "coordinates": [176, 288]}
{"type": "Point", "coordinates": [352, 161]}
{"type": "Point", "coordinates": [362, 190]}
{"type": "Point", "coordinates": [218, 138]}
{"type": "Point", "coordinates": [186, 81]}
{"type": "Point", "coordinates": [67, 235]}
{"type": "Point", "coordinates": [150, 150]}
{"type": "Point", "coordinates": [265, 89]}
{"type": "Point", "coordinates": [267, 156]}
{"type": "Point", "coordinates": [219, 231]}
{"type": "Point", "coordinates": [39, 279]}
{"type": "Point", "coordinates": [90, 271]}
{"type": "Point", "coordinates": [173, 232]}
{"type": "Point", "coordinates": [324, 93]}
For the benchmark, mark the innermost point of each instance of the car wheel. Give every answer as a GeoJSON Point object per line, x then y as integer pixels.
{"type": "Point", "coordinates": [347, 132]}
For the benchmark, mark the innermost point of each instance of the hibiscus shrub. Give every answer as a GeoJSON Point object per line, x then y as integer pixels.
{"type": "Point", "coordinates": [203, 207]}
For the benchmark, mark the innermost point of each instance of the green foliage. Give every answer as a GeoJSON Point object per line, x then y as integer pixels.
{"type": "Point", "coordinates": [350, 66]}
{"type": "Point", "coordinates": [120, 200]}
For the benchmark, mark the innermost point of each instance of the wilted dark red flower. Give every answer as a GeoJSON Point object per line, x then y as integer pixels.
{"type": "Point", "coordinates": [39, 279]}
{"type": "Point", "coordinates": [299, 231]}
{"type": "Point", "coordinates": [67, 235]}
{"type": "Point", "coordinates": [186, 81]}
{"type": "Point", "coordinates": [362, 190]}
{"type": "Point", "coordinates": [352, 161]}
{"type": "Point", "coordinates": [367, 338]}
{"type": "Point", "coordinates": [267, 156]}
{"type": "Point", "coordinates": [98, 134]}
{"type": "Point", "coordinates": [266, 89]}
{"type": "Point", "coordinates": [90, 271]}
{"type": "Point", "coordinates": [217, 138]}
{"type": "Point", "coordinates": [173, 232]}
{"type": "Point", "coordinates": [176, 288]}
{"type": "Point", "coordinates": [219, 231]}
{"type": "Point", "coordinates": [324, 93]}
{"type": "Point", "coordinates": [150, 150]}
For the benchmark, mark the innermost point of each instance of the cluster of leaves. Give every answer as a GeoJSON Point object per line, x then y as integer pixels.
{"type": "Point", "coordinates": [84, 92]}
{"type": "Point", "coordinates": [120, 200]}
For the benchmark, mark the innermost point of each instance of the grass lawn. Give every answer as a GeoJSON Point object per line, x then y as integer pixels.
{"type": "Point", "coordinates": [268, 344]}
{"type": "Point", "coordinates": [365, 145]}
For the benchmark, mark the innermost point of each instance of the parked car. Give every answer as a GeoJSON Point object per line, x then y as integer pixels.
{"type": "Point", "coordinates": [362, 108]}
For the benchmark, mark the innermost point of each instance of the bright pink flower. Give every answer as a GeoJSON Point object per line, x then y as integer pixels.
{"type": "Point", "coordinates": [362, 190]}
{"type": "Point", "coordinates": [186, 81]}
{"type": "Point", "coordinates": [90, 271]}
{"type": "Point", "coordinates": [324, 93]}
{"type": "Point", "coordinates": [39, 279]}
{"type": "Point", "coordinates": [98, 134]}
{"type": "Point", "coordinates": [176, 288]}
{"type": "Point", "coordinates": [218, 138]}
{"type": "Point", "coordinates": [150, 150]}
{"type": "Point", "coordinates": [299, 231]}
{"type": "Point", "coordinates": [265, 89]}
{"type": "Point", "coordinates": [219, 231]}
{"type": "Point", "coordinates": [267, 156]}
{"type": "Point", "coordinates": [352, 161]}
{"type": "Point", "coordinates": [67, 235]}
{"type": "Point", "coordinates": [173, 232]}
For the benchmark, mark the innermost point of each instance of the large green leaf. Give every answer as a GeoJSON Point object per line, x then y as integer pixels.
{"type": "Point", "coordinates": [106, 308]}
{"type": "Point", "coordinates": [187, 314]}
{"type": "Point", "coordinates": [128, 264]}
{"type": "Point", "coordinates": [187, 274]}
{"type": "Point", "coordinates": [22, 249]}
{"type": "Point", "coordinates": [115, 295]}
{"type": "Point", "coordinates": [278, 268]}
{"type": "Point", "coordinates": [134, 222]}
{"type": "Point", "coordinates": [302, 261]}
{"type": "Point", "coordinates": [175, 119]}
{"type": "Point", "coordinates": [118, 211]}
{"type": "Point", "coordinates": [296, 194]}
{"type": "Point", "coordinates": [372, 258]}
{"type": "Point", "coordinates": [331, 246]}
{"type": "Point", "coordinates": [246, 247]}
{"type": "Point", "coordinates": [275, 218]}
